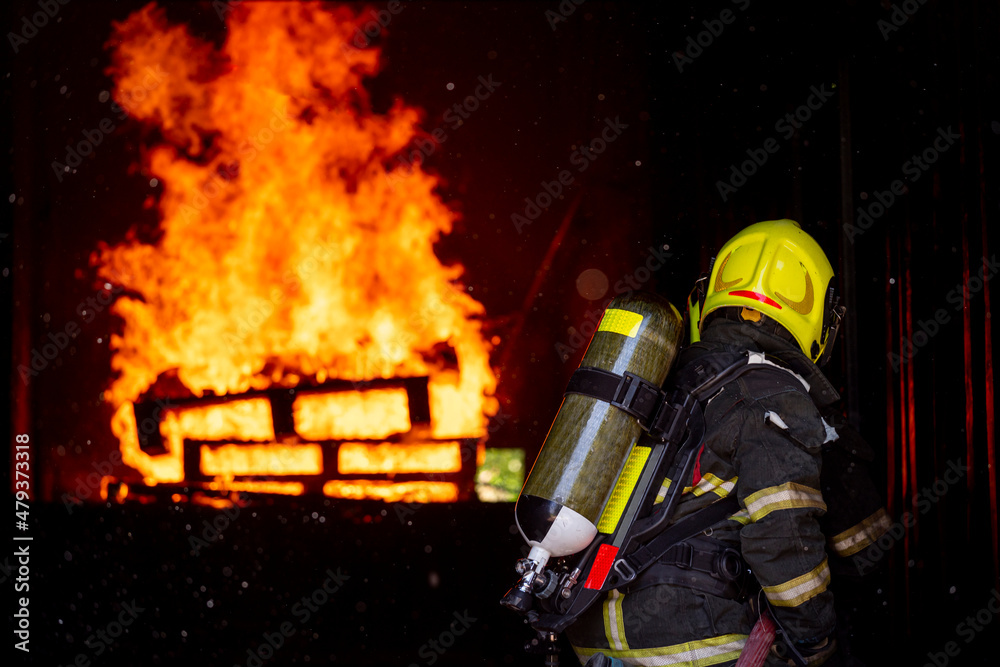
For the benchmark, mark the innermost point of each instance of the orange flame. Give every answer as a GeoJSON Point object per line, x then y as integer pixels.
{"type": "Point", "coordinates": [244, 420]}
{"type": "Point", "coordinates": [284, 254]}
{"type": "Point", "coordinates": [257, 486]}
{"type": "Point", "coordinates": [376, 413]}
{"type": "Point", "coordinates": [354, 457]}
{"type": "Point", "coordinates": [271, 459]}
{"type": "Point", "coordinates": [401, 492]}
{"type": "Point", "coordinates": [120, 494]}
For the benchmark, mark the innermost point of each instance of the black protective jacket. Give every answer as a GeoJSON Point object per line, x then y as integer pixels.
{"type": "Point", "coordinates": [765, 434]}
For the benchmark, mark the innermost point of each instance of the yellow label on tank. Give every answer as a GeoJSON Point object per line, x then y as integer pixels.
{"type": "Point", "coordinates": [623, 322]}
{"type": "Point", "coordinates": [623, 489]}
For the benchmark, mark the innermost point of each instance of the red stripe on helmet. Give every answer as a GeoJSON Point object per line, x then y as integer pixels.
{"type": "Point", "coordinates": [758, 296]}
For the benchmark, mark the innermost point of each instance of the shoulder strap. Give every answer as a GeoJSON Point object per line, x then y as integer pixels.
{"type": "Point", "coordinates": [664, 415]}
{"type": "Point", "coordinates": [630, 566]}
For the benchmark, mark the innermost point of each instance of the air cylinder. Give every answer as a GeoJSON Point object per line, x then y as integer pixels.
{"type": "Point", "coordinates": [568, 495]}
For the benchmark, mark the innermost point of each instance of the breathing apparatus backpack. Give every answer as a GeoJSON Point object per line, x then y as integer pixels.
{"type": "Point", "coordinates": [587, 508]}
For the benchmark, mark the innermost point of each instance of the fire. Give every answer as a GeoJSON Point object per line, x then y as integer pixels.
{"type": "Point", "coordinates": [262, 460]}
{"type": "Point", "coordinates": [252, 486]}
{"type": "Point", "coordinates": [378, 413]}
{"type": "Point", "coordinates": [246, 420]}
{"type": "Point", "coordinates": [289, 253]}
{"type": "Point", "coordinates": [402, 492]}
{"type": "Point", "coordinates": [387, 458]}
{"type": "Point", "coordinates": [120, 494]}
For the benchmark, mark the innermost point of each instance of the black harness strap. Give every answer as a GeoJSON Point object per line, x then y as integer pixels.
{"type": "Point", "coordinates": [628, 567]}
{"type": "Point", "coordinates": [664, 416]}
{"type": "Point", "coordinates": [627, 392]}
{"type": "Point", "coordinates": [700, 563]}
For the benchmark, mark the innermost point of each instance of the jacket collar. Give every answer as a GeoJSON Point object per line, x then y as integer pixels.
{"type": "Point", "coordinates": [745, 336]}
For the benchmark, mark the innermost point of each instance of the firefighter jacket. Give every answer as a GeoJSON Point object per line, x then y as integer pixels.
{"type": "Point", "coordinates": [764, 436]}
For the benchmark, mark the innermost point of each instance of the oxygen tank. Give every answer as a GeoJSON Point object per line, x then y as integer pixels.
{"type": "Point", "coordinates": [586, 469]}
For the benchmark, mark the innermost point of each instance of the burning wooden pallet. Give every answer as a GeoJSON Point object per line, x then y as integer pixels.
{"type": "Point", "coordinates": [371, 440]}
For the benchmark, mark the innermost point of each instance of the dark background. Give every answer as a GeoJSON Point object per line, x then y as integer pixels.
{"type": "Point", "coordinates": [654, 186]}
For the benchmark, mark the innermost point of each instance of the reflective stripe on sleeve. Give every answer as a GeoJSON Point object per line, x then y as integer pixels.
{"type": "Point", "coordinates": [710, 482]}
{"type": "Point", "coordinates": [786, 496]}
{"type": "Point", "coordinates": [854, 539]}
{"type": "Point", "coordinates": [614, 625]}
{"type": "Point", "coordinates": [800, 589]}
{"type": "Point", "coordinates": [742, 517]}
{"type": "Point", "coordinates": [663, 491]}
{"type": "Point", "coordinates": [712, 651]}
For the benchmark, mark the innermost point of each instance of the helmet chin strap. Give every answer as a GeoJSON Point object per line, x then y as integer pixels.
{"type": "Point", "coordinates": [696, 303]}
{"type": "Point", "coordinates": [836, 316]}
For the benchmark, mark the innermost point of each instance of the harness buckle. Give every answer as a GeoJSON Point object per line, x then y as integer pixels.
{"type": "Point", "coordinates": [685, 556]}
{"type": "Point", "coordinates": [625, 571]}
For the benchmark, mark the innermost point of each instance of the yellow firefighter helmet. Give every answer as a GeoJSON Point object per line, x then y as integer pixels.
{"type": "Point", "coordinates": [778, 270]}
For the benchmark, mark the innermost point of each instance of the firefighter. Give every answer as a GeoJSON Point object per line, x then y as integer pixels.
{"type": "Point", "coordinates": [768, 292]}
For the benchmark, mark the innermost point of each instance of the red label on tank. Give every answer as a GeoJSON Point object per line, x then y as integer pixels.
{"type": "Point", "coordinates": [602, 565]}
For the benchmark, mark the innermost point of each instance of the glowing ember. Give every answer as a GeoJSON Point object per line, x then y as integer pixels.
{"type": "Point", "coordinates": [288, 253]}
{"type": "Point", "coordinates": [270, 459]}
{"type": "Point", "coordinates": [120, 494]}
{"type": "Point", "coordinates": [245, 420]}
{"type": "Point", "coordinates": [168, 467]}
{"type": "Point", "coordinates": [353, 457]}
{"type": "Point", "coordinates": [254, 486]}
{"type": "Point", "coordinates": [372, 414]}
{"type": "Point", "coordinates": [405, 492]}
{"type": "Point", "coordinates": [217, 503]}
